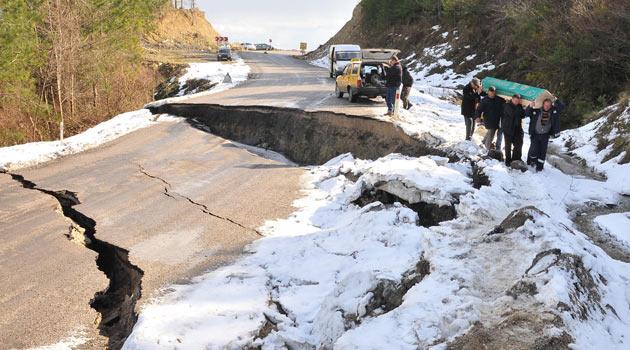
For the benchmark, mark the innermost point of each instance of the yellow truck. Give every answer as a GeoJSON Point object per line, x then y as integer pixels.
{"type": "Point", "coordinates": [365, 77]}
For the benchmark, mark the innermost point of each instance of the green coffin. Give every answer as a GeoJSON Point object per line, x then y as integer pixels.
{"type": "Point", "coordinates": [508, 88]}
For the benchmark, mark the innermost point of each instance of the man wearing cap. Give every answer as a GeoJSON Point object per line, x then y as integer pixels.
{"type": "Point", "coordinates": [511, 122]}
{"type": "Point", "coordinates": [393, 79]}
{"type": "Point", "coordinates": [543, 123]}
{"type": "Point", "coordinates": [491, 110]}
{"type": "Point", "coordinates": [470, 101]}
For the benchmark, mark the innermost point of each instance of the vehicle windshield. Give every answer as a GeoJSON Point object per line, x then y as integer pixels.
{"type": "Point", "coordinates": [347, 55]}
{"type": "Point", "coordinates": [224, 51]}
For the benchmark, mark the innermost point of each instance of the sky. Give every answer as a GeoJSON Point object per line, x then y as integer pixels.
{"type": "Point", "coordinates": [286, 22]}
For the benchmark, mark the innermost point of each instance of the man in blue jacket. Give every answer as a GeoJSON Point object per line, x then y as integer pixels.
{"type": "Point", "coordinates": [543, 123]}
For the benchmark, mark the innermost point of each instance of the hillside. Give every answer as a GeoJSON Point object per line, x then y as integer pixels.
{"type": "Point", "coordinates": [581, 55]}
{"type": "Point", "coordinates": [62, 75]}
{"type": "Point", "coordinates": [182, 28]}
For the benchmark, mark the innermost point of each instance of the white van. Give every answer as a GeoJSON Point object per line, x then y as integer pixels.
{"type": "Point", "coordinates": [340, 56]}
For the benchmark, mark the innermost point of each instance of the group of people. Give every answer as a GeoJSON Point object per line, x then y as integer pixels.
{"type": "Point", "coordinates": [503, 120]}
{"type": "Point", "coordinates": [395, 76]}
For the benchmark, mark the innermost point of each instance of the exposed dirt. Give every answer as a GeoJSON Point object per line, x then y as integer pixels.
{"type": "Point", "coordinates": [584, 216]}
{"type": "Point", "coordinates": [571, 165]}
{"type": "Point", "coordinates": [584, 293]}
{"type": "Point", "coordinates": [517, 219]}
{"type": "Point", "coordinates": [293, 132]}
{"type": "Point", "coordinates": [514, 333]}
{"type": "Point", "coordinates": [177, 28]}
{"type": "Point", "coordinates": [116, 304]}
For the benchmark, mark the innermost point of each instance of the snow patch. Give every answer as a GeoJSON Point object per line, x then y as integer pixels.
{"type": "Point", "coordinates": [215, 72]}
{"type": "Point", "coordinates": [30, 154]}
{"type": "Point", "coordinates": [617, 225]}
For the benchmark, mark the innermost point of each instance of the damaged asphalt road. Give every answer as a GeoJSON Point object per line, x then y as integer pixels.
{"type": "Point", "coordinates": [162, 205]}
{"type": "Point", "coordinates": [116, 304]}
{"type": "Point", "coordinates": [220, 194]}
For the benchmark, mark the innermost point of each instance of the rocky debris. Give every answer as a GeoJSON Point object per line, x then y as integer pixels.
{"type": "Point", "coordinates": [388, 294]}
{"type": "Point", "coordinates": [584, 293]}
{"type": "Point", "coordinates": [521, 288]}
{"type": "Point", "coordinates": [517, 331]}
{"type": "Point", "coordinates": [429, 214]}
{"type": "Point", "coordinates": [193, 86]}
{"type": "Point", "coordinates": [479, 177]}
{"type": "Point", "coordinates": [170, 86]}
{"type": "Point", "coordinates": [517, 219]}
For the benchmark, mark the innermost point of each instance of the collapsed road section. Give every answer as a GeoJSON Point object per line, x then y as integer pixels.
{"type": "Point", "coordinates": [305, 137]}
{"type": "Point", "coordinates": [116, 304]}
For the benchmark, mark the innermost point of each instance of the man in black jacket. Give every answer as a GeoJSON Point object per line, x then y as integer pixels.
{"type": "Point", "coordinates": [393, 79]}
{"type": "Point", "coordinates": [491, 109]}
{"type": "Point", "coordinates": [511, 122]}
{"type": "Point", "coordinates": [543, 123]}
{"type": "Point", "coordinates": [407, 82]}
{"type": "Point", "coordinates": [470, 101]}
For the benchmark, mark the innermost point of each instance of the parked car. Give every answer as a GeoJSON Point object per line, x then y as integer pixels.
{"type": "Point", "coordinates": [264, 47]}
{"type": "Point", "coordinates": [362, 78]}
{"type": "Point", "coordinates": [340, 56]}
{"type": "Point", "coordinates": [224, 54]}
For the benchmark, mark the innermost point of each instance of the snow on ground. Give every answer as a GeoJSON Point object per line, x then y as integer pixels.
{"type": "Point", "coordinates": [30, 154]}
{"type": "Point", "coordinates": [426, 75]}
{"type": "Point", "coordinates": [323, 62]}
{"type": "Point", "coordinates": [214, 72]}
{"type": "Point", "coordinates": [346, 274]}
{"type": "Point", "coordinates": [583, 142]}
{"type": "Point", "coordinates": [617, 225]}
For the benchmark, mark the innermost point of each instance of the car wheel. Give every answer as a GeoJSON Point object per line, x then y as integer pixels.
{"type": "Point", "coordinates": [338, 91]}
{"type": "Point", "coordinates": [351, 96]}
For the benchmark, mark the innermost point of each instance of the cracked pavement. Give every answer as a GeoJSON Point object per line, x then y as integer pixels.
{"type": "Point", "coordinates": [222, 193]}
{"type": "Point", "coordinates": [219, 195]}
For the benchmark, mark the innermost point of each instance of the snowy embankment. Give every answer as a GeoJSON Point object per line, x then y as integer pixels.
{"type": "Point", "coordinates": [594, 143]}
{"type": "Point", "coordinates": [617, 225]}
{"type": "Point", "coordinates": [409, 253]}
{"type": "Point", "coordinates": [220, 76]}
{"type": "Point", "coordinates": [30, 154]}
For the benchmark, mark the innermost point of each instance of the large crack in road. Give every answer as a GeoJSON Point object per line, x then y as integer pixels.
{"type": "Point", "coordinates": [116, 304]}
{"type": "Point", "coordinates": [305, 137]}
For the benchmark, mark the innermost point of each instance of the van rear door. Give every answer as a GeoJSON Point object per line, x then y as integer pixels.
{"type": "Point", "coordinates": [379, 55]}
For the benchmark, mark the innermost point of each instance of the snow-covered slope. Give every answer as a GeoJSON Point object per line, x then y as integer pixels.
{"type": "Point", "coordinates": [413, 253]}
{"type": "Point", "coordinates": [604, 145]}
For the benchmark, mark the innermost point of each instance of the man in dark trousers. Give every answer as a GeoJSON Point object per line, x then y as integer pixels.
{"type": "Point", "coordinates": [393, 79]}
{"type": "Point", "coordinates": [543, 123]}
{"type": "Point", "coordinates": [511, 122]}
{"type": "Point", "coordinates": [407, 82]}
{"type": "Point", "coordinates": [470, 101]}
{"type": "Point", "coordinates": [491, 109]}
